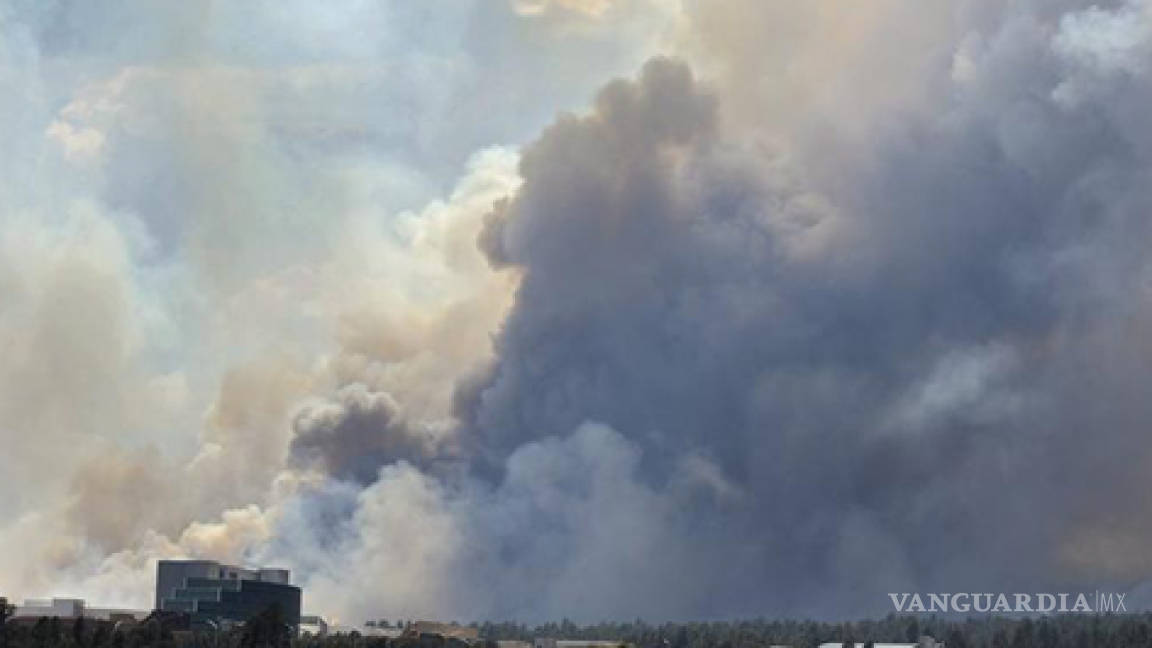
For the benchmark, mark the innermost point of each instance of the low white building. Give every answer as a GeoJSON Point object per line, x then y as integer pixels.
{"type": "Point", "coordinates": [924, 642]}
{"type": "Point", "coordinates": [544, 642]}
{"type": "Point", "coordinates": [54, 607]}
{"type": "Point", "coordinates": [314, 625]}
{"type": "Point", "coordinates": [71, 608]}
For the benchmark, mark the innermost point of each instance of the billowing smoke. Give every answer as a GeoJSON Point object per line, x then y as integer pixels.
{"type": "Point", "coordinates": [832, 302]}
{"type": "Point", "coordinates": [351, 437]}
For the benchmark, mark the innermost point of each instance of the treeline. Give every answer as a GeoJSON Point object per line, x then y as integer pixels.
{"type": "Point", "coordinates": [269, 631]}
{"type": "Point", "coordinates": [1063, 631]}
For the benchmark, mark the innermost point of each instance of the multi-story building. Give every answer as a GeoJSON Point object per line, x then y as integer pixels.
{"type": "Point", "coordinates": [213, 594]}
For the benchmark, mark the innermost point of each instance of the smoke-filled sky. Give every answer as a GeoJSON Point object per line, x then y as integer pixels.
{"type": "Point", "coordinates": [522, 309]}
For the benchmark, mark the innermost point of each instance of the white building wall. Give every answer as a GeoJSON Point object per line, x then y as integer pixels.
{"type": "Point", "coordinates": [56, 607]}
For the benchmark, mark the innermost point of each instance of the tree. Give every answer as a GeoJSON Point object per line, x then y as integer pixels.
{"type": "Point", "coordinates": [846, 637]}
{"type": "Point", "coordinates": [78, 631]}
{"type": "Point", "coordinates": [1022, 637]}
{"type": "Point", "coordinates": [100, 635]}
{"type": "Point", "coordinates": [266, 630]}
{"type": "Point", "coordinates": [956, 639]}
{"type": "Point", "coordinates": [912, 634]}
{"type": "Point", "coordinates": [6, 612]}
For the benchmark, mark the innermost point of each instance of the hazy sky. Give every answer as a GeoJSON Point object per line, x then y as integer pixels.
{"type": "Point", "coordinates": [588, 308]}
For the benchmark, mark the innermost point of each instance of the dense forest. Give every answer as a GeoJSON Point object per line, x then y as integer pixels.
{"type": "Point", "coordinates": [268, 630]}
{"type": "Point", "coordinates": [1066, 631]}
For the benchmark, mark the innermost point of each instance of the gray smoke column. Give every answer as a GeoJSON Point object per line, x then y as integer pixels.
{"type": "Point", "coordinates": [913, 364]}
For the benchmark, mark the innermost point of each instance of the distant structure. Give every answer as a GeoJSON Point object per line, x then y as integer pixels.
{"type": "Point", "coordinates": [214, 594]}
{"type": "Point", "coordinates": [925, 641]}
{"type": "Point", "coordinates": [314, 625]}
{"type": "Point", "coordinates": [446, 630]}
{"type": "Point", "coordinates": [544, 642]}
{"type": "Point", "coordinates": [64, 608]}
{"type": "Point", "coordinates": [72, 608]}
{"type": "Point", "coordinates": [379, 631]}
